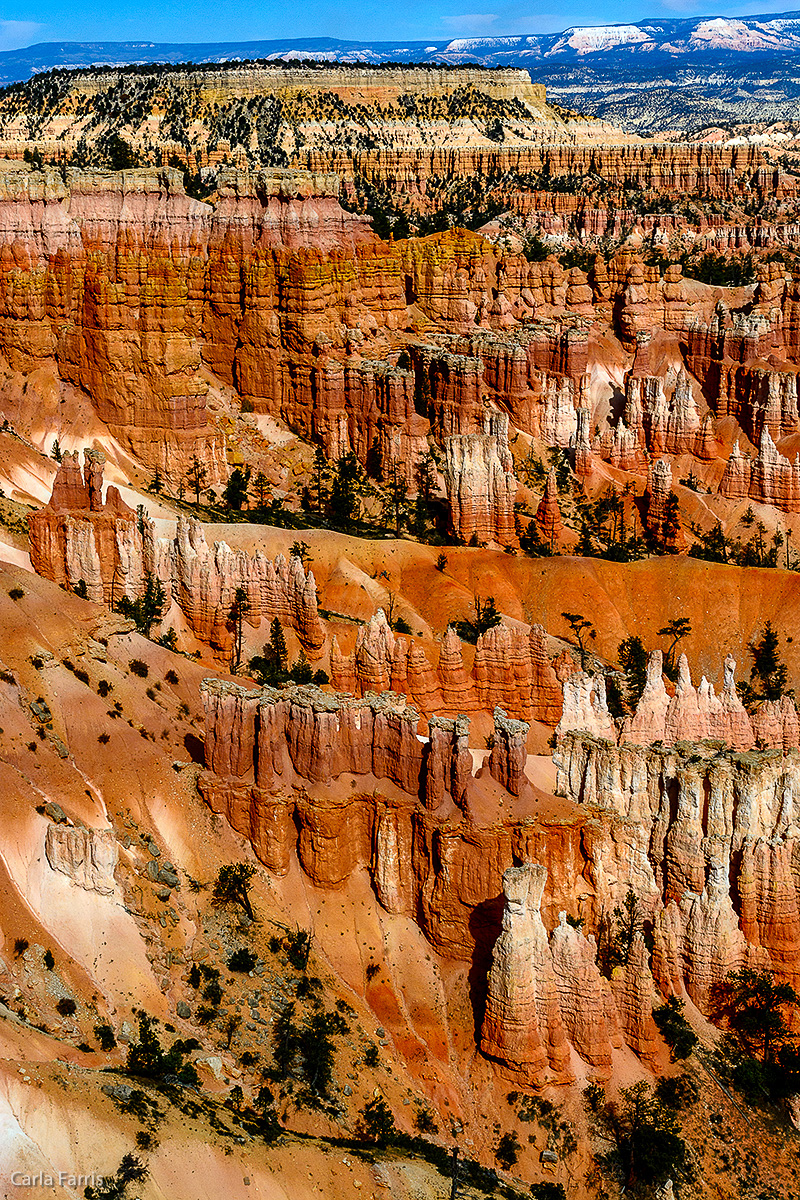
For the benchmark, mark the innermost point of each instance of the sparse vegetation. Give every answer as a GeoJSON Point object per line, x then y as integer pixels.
{"type": "Point", "coordinates": [486, 617]}
{"type": "Point", "coordinates": [760, 1055]}
{"type": "Point", "coordinates": [675, 1029]}
{"type": "Point", "coordinates": [232, 886]}
{"type": "Point", "coordinates": [147, 1058]}
{"type": "Point", "coordinates": [115, 1187]}
{"type": "Point", "coordinates": [146, 610]}
{"type": "Point", "coordinates": [242, 960]}
{"type": "Point", "coordinates": [615, 934]}
{"type": "Point", "coordinates": [105, 1036]}
{"type": "Point", "coordinates": [583, 629]}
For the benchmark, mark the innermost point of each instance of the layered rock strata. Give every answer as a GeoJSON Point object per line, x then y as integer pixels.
{"type": "Point", "coordinates": [769, 477]}
{"type": "Point", "coordinates": [522, 1023]}
{"type": "Point", "coordinates": [705, 837]}
{"type": "Point", "coordinates": [548, 513]}
{"type": "Point", "coordinates": [660, 514]}
{"type": "Point", "coordinates": [713, 835]}
{"type": "Point", "coordinates": [319, 736]}
{"type": "Point", "coordinates": [688, 715]}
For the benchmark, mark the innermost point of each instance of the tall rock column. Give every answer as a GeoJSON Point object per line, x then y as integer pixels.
{"type": "Point", "coordinates": [522, 1024]}
{"type": "Point", "coordinates": [509, 752]}
{"type": "Point", "coordinates": [481, 485]}
{"type": "Point", "coordinates": [548, 514]}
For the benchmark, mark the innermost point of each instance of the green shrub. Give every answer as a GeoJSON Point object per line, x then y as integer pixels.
{"type": "Point", "coordinates": [675, 1029]}
{"type": "Point", "coordinates": [677, 1091]}
{"type": "Point", "coordinates": [242, 960]}
{"type": "Point", "coordinates": [376, 1123]}
{"type": "Point", "coordinates": [105, 1036]}
{"type": "Point", "coordinates": [507, 1150]}
{"type": "Point", "coordinates": [548, 1191]}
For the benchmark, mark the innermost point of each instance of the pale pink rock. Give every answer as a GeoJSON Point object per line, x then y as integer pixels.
{"type": "Point", "coordinates": [112, 550]}
{"type": "Point", "coordinates": [481, 486]}
{"type": "Point", "coordinates": [585, 707]}
{"type": "Point", "coordinates": [87, 856]}
{"type": "Point", "coordinates": [648, 723]}
{"type": "Point", "coordinates": [548, 514]}
{"type": "Point", "coordinates": [583, 993]}
{"type": "Point", "coordinates": [509, 752]}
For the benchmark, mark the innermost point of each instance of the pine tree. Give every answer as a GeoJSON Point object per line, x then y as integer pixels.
{"type": "Point", "coordinates": [232, 886]}
{"type": "Point", "coordinates": [197, 477]}
{"type": "Point", "coordinates": [581, 628]}
{"type": "Point", "coordinates": [345, 501]}
{"type": "Point", "coordinates": [321, 471]}
{"type": "Point", "coordinates": [676, 630]}
{"type": "Point", "coordinates": [261, 483]}
{"type": "Point", "coordinates": [238, 610]}
{"type": "Point", "coordinates": [395, 508]}
{"type": "Point", "coordinates": [270, 667]}
{"type": "Point", "coordinates": [767, 668]}
{"type": "Point", "coordinates": [633, 660]}
{"type": "Point", "coordinates": [671, 525]}
{"type": "Point", "coordinates": [235, 491]}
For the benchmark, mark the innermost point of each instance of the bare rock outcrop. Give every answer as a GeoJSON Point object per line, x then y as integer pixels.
{"type": "Point", "coordinates": [661, 516]}
{"type": "Point", "coordinates": [79, 538]}
{"type": "Point", "coordinates": [509, 752]}
{"type": "Point", "coordinates": [585, 707]}
{"type": "Point", "coordinates": [481, 485]}
{"type": "Point", "coordinates": [510, 669]}
{"type": "Point", "coordinates": [690, 715]}
{"type": "Point", "coordinates": [769, 477]}
{"type": "Point", "coordinates": [522, 1024]}
{"type": "Point", "coordinates": [714, 833]}
{"type": "Point", "coordinates": [87, 856]}
{"type": "Point", "coordinates": [548, 514]}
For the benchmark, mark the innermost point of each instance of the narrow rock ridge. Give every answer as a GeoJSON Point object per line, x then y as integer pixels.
{"type": "Point", "coordinates": [690, 715]}
{"type": "Point", "coordinates": [510, 669]}
{"type": "Point", "coordinates": [303, 731]}
{"type": "Point", "coordinates": [112, 550]}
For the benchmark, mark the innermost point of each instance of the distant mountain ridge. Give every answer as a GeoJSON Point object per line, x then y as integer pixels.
{"type": "Point", "coordinates": [656, 40]}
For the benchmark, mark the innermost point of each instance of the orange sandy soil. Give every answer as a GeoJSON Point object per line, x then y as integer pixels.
{"type": "Point", "coordinates": [726, 605]}
{"type": "Point", "coordinates": [133, 949]}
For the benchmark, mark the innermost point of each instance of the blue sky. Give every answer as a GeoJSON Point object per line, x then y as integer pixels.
{"type": "Point", "coordinates": [208, 20]}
